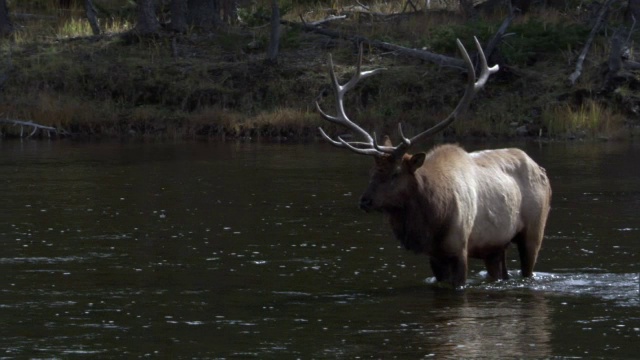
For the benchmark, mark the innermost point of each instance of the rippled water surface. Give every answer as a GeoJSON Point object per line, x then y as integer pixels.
{"type": "Point", "coordinates": [202, 250]}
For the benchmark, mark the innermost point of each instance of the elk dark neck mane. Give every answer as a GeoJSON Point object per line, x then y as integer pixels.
{"type": "Point", "coordinates": [422, 220]}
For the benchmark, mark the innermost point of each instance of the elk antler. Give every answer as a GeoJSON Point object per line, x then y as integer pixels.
{"type": "Point", "coordinates": [472, 88]}
{"type": "Point", "coordinates": [370, 147]}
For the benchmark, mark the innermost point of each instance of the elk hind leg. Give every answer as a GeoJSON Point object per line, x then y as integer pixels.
{"type": "Point", "coordinates": [529, 242]}
{"type": "Point", "coordinates": [496, 265]}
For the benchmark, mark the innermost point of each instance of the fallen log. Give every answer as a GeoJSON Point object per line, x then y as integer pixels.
{"type": "Point", "coordinates": [441, 60]}
{"type": "Point", "coordinates": [29, 124]}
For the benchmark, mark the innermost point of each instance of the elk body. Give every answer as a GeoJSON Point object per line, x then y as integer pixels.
{"type": "Point", "coordinates": [451, 204]}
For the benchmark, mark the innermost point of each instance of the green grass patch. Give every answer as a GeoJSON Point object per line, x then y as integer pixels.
{"type": "Point", "coordinates": [588, 120]}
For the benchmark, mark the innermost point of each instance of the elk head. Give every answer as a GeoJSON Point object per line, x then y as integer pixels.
{"type": "Point", "coordinates": [393, 176]}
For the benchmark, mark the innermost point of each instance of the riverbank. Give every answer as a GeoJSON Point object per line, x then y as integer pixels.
{"type": "Point", "coordinates": [219, 85]}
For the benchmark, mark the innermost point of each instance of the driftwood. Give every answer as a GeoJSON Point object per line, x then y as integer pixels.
{"type": "Point", "coordinates": [596, 27]}
{"type": "Point", "coordinates": [29, 124]}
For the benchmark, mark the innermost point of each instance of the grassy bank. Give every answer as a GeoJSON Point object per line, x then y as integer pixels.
{"type": "Point", "coordinates": [203, 84]}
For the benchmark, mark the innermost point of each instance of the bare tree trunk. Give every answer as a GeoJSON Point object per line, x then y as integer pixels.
{"type": "Point", "coordinates": [92, 17]}
{"type": "Point", "coordinates": [601, 15]}
{"type": "Point", "coordinates": [274, 41]}
{"type": "Point", "coordinates": [615, 55]}
{"type": "Point", "coordinates": [179, 15]}
{"type": "Point", "coordinates": [148, 23]}
{"type": "Point", "coordinates": [497, 37]}
{"type": "Point", "coordinates": [6, 27]}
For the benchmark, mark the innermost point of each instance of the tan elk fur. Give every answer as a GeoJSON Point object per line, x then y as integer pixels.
{"type": "Point", "coordinates": [454, 205]}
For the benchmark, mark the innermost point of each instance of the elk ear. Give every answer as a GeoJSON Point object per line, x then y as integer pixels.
{"type": "Point", "coordinates": [416, 161]}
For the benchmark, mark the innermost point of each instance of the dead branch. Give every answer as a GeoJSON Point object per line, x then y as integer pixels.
{"type": "Point", "coordinates": [631, 65]}
{"type": "Point", "coordinates": [326, 20]}
{"type": "Point", "coordinates": [596, 27]}
{"type": "Point", "coordinates": [29, 124]}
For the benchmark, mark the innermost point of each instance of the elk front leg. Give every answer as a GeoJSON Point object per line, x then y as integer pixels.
{"type": "Point", "coordinates": [451, 270]}
{"type": "Point", "coordinates": [458, 270]}
{"type": "Point", "coordinates": [441, 269]}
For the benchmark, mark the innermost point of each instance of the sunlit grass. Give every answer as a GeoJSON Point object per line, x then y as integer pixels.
{"type": "Point", "coordinates": [45, 21]}
{"type": "Point", "coordinates": [591, 120]}
{"type": "Point", "coordinates": [74, 27]}
{"type": "Point", "coordinates": [114, 26]}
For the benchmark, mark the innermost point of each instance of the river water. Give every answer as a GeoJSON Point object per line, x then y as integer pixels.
{"type": "Point", "coordinates": [233, 250]}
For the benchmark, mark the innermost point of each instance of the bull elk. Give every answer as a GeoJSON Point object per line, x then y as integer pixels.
{"type": "Point", "coordinates": [451, 204]}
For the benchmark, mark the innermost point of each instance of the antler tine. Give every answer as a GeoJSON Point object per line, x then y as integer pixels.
{"type": "Point", "coordinates": [365, 150]}
{"type": "Point", "coordinates": [472, 88]}
{"type": "Point", "coordinates": [341, 118]}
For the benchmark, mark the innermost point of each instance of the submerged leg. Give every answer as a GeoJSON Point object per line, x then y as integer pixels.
{"type": "Point", "coordinates": [497, 266]}
{"type": "Point", "coordinates": [505, 272]}
{"type": "Point", "coordinates": [440, 269]}
{"type": "Point", "coordinates": [528, 247]}
{"type": "Point", "coordinates": [452, 270]}
{"type": "Point", "coordinates": [459, 270]}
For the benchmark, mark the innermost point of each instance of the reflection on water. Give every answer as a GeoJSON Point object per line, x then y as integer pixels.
{"type": "Point", "coordinates": [481, 324]}
{"type": "Point", "coordinates": [245, 250]}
